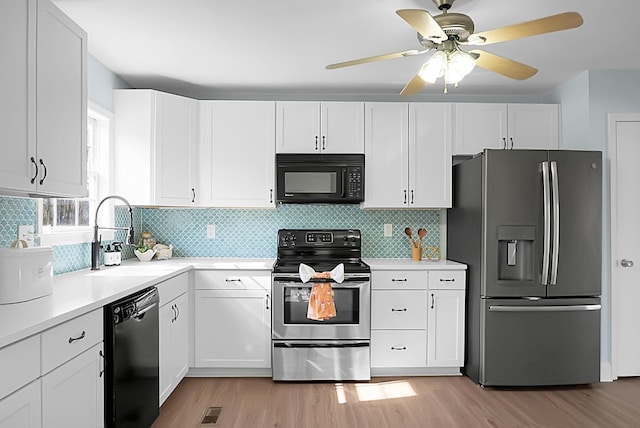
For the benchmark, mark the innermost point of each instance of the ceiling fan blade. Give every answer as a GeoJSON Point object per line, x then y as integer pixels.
{"type": "Point", "coordinates": [562, 21]}
{"type": "Point", "coordinates": [423, 23]}
{"type": "Point", "coordinates": [506, 67]}
{"type": "Point", "coordinates": [414, 86]}
{"type": "Point", "coordinates": [375, 58]}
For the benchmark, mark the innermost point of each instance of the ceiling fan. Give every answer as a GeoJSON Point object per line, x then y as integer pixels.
{"type": "Point", "coordinates": [448, 31]}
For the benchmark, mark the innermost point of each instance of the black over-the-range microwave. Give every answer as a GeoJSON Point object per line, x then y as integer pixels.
{"type": "Point", "coordinates": [319, 178]}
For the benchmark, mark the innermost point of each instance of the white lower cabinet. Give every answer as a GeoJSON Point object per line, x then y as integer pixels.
{"type": "Point", "coordinates": [73, 394]}
{"type": "Point", "coordinates": [417, 321]}
{"type": "Point", "coordinates": [393, 348]}
{"type": "Point", "coordinates": [233, 319]}
{"type": "Point", "coordinates": [445, 321]}
{"type": "Point", "coordinates": [398, 319]}
{"type": "Point", "coordinates": [174, 344]}
{"type": "Point", "coordinates": [73, 373]}
{"type": "Point", "coordinates": [23, 408]}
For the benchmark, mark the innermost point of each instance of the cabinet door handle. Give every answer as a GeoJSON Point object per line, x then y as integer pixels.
{"type": "Point", "coordinates": [412, 196]}
{"type": "Point", "coordinates": [504, 143]}
{"type": "Point", "coordinates": [45, 172]}
{"type": "Point", "coordinates": [398, 310]}
{"type": "Point", "coordinates": [405, 197]}
{"type": "Point", "coordinates": [399, 280]}
{"type": "Point", "coordinates": [270, 196]}
{"type": "Point", "coordinates": [316, 142]}
{"type": "Point", "coordinates": [73, 339]}
{"type": "Point", "coordinates": [398, 348]}
{"type": "Point", "coordinates": [267, 301]}
{"type": "Point", "coordinates": [173, 318]}
{"type": "Point", "coordinates": [193, 195]}
{"type": "Point", "coordinates": [447, 280]}
{"type": "Point", "coordinates": [324, 144]}
{"type": "Point", "coordinates": [103, 364]}
{"type": "Point", "coordinates": [433, 301]}
{"type": "Point", "coordinates": [35, 175]}
{"type": "Point", "coordinates": [511, 139]}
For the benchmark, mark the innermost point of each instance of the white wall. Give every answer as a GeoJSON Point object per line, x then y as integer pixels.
{"type": "Point", "coordinates": [586, 100]}
{"type": "Point", "coordinates": [101, 82]}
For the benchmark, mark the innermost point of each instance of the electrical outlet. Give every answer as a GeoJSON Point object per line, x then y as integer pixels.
{"type": "Point", "coordinates": [25, 232]}
{"type": "Point", "coordinates": [388, 229]}
{"type": "Point", "coordinates": [211, 231]}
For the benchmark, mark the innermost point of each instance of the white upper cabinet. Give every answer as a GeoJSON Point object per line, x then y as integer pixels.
{"type": "Point", "coordinates": [430, 134]}
{"type": "Point", "coordinates": [156, 137]}
{"type": "Point", "coordinates": [408, 155]}
{"type": "Point", "coordinates": [319, 127]}
{"type": "Point", "coordinates": [505, 126]}
{"type": "Point", "coordinates": [237, 154]}
{"type": "Point", "coordinates": [43, 108]}
{"type": "Point", "coordinates": [533, 126]}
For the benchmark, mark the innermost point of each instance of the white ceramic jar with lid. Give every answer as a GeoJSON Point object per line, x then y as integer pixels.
{"type": "Point", "coordinates": [25, 273]}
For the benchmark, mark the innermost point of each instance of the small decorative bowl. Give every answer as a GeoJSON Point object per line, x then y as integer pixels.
{"type": "Point", "coordinates": [145, 256]}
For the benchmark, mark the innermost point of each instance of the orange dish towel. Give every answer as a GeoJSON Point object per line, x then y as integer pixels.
{"type": "Point", "coordinates": [321, 305]}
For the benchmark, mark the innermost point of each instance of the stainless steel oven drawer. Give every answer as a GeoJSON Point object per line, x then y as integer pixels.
{"type": "Point", "coordinates": [321, 360]}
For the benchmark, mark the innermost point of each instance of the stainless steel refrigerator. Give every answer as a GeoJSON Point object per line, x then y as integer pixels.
{"type": "Point", "coordinates": [528, 225]}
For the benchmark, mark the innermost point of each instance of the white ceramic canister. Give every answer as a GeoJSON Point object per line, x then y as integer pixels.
{"type": "Point", "coordinates": [25, 273]}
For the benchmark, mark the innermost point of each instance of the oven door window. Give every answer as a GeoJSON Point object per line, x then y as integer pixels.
{"type": "Point", "coordinates": [296, 302]}
{"type": "Point", "coordinates": [322, 182]}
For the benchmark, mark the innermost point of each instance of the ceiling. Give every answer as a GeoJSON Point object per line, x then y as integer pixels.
{"type": "Point", "coordinates": [218, 48]}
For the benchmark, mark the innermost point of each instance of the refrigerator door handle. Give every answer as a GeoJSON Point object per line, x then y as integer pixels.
{"type": "Point", "coordinates": [556, 223]}
{"type": "Point", "coordinates": [546, 242]}
{"type": "Point", "coordinates": [557, 308]}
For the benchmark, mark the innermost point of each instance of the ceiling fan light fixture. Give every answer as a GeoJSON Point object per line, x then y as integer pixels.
{"type": "Point", "coordinates": [460, 63]}
{"type": "Point", "coordinates": [453, 64]}
{"type": "Point", "coordinates": [434, 68]}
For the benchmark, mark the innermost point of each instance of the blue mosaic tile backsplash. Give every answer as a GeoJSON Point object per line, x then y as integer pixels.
{"type": "Point", "coordinates": [252, 232]}
{"type": "Point", "coordinates": [239, 232]}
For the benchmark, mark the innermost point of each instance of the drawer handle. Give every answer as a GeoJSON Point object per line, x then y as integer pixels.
{"type": "Point", "coordinates": [398, 348]}
{"type": "Point", "coordinates": [233, 280]}
{"type": "Point", "coordinates": [398, 310]}
{"type": "Point", "coordinates": [73, 339]}
{"type": "Point", "coordinates": [399, 280]}
{"type": "Point", "coordinates": [447, 280]}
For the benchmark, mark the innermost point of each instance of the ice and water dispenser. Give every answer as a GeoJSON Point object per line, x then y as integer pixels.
{"type": "Point", "coordinates": [516, 255]}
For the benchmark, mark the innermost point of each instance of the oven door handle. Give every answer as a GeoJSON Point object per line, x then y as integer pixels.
{"type": "Point", "coordinates": [322, 344]}
{"type": "Point", "coordinates": [334, 285]}
{"type": "Point", "coordinates": [290, 278]}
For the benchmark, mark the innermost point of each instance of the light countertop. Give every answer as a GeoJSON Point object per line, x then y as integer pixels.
{"type": "Point", "coordinates": [408, 264]}
{"type": "Point", "coordinates": [80, 292]}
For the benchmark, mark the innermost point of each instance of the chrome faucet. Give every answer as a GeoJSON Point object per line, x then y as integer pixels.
{"type": "Point", "coordinates": [96, 243]}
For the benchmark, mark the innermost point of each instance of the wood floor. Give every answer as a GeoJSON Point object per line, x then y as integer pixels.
{"type": "Point", "coordinates": [399, 402]}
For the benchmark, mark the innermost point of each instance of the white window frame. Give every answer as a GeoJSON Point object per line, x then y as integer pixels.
{"type": "Point", "coordinates": [104, 158]}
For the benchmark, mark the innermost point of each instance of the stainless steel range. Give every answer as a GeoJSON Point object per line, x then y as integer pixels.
{"type": "Point", "coordinates": [336, 348]}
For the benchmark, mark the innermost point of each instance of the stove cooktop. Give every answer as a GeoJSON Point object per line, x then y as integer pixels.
{"type": "Point", "coordinates": [322, 249]}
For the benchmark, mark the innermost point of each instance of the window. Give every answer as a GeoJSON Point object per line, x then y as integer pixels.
{"type": "Point", "coordinates": [69, 221]}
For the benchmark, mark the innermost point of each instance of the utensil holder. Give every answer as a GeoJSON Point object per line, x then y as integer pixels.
{"type": "Point", "coordinates": [416, 253]}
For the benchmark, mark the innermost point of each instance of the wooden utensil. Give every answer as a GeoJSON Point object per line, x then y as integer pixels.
{"type": "Point", "coordinates": [409, 233]}
{"type": "Point", "coordinates": [422, 232]}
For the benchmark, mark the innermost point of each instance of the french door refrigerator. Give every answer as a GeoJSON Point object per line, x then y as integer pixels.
{"type": "Point", "coordinates": [528, 225]}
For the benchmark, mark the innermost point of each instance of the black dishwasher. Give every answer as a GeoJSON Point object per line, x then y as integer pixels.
{"type": "Point", "coordinates": [132, 361]}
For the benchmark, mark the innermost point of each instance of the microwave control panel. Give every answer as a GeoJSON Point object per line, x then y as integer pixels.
{"type": "Point", "coordinates": [353, 187]}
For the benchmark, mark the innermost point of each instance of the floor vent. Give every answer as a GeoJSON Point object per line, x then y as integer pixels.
{"type": "Point", "coordinates": [211, 416]}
